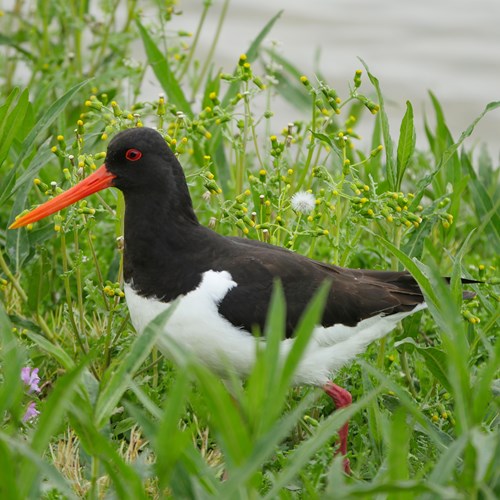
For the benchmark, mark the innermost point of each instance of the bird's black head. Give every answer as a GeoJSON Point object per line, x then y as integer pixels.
{"type": "Point", "coordinates": [140, 160]}
{"type": "Point", "coordinates": [147, 172]}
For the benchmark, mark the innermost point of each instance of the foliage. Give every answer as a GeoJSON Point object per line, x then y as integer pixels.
{"type": "Point", "coordinates": [116, 418]}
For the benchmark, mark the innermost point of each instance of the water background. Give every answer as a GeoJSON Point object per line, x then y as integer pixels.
{"type": "Point", "coordinates": [451, 47]}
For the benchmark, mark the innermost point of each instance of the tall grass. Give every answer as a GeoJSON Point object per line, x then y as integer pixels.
{"type": "Point", "coordinates": [117, 418]}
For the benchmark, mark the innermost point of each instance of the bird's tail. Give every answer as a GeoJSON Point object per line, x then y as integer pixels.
{"type": "Point", "coordinates": [319, 362]}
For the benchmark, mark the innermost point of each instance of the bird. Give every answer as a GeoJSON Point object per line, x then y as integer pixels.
{"type": "Point", "coordinates": [222, 285]}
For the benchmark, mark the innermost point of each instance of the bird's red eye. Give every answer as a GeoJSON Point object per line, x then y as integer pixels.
{"type": "Point", "coordinates": [133, 154]}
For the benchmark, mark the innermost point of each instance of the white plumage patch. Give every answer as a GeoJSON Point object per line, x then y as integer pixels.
{"type": "Point", "coordinates": [197, 326]}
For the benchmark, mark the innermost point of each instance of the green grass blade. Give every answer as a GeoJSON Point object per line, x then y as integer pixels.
{"type": "Point", "coordinates": [46, 120]}
{"type": "Point", "coordinates": [412, 267]}
{"type": "Point", "coordinates": [11, 123]}
{"type": "Point", "coordinates": [53, 410]}
{"type": "Point", "coordinates": [161, 67]}
{"type": "Point", "coordinates": [119, 382]}
{"type": "Point", "coordinates": [265, 447]}
{"type": "Point", "coordinates": [230, 424]}
{"type": "Point", "coordinates": [125, 479]}
{"type": "Point", "coordinates": [437, 363]}
{"type": "Point", "coordinates": [406, 144]}
{"type": "Point", "coordinates": [251, 54]}
{"type": "Point", "coordinates": [290, 88]}
{"type": "Point", "coordinates": [57, 352]}
{"type": "Point", "coordinates": [12, 357]}
{"type": "Point", "coordinates": [8, 461]}
{"type": "Point", "coordinates": [425, 181]}
{"type": "Point", "coordinates": [483, 396]}
{"type": "Point", "coordinates": [305, 329]}
{"type": "Point", "coordinates": [50, 421]}
{"type": "Point", "coordinates": [441, 439]}
{"type": "Point", "coordinates": [390, 167]}
{"type": "Point", "coordinates": [170, 440]}
{"type": "Point", "coordinates": [443, 471]}
{"type": "Point", "coordinates": [398, 448]}
{"type": "Point", "coordinates": [486, 209]}
{"type": "Point", "coordinates": [324, 432]}
{"type": "Point", "coordinates": [261, 384]}
{"type": "Point", "coordinates": [39, 464]}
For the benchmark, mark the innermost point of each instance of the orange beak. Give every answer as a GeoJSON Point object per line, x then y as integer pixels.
{"type": "Point", "coordinates": [97, 181]}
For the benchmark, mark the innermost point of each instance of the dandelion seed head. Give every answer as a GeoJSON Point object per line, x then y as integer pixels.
{"type": "Point", "coordinates": [303, 202]}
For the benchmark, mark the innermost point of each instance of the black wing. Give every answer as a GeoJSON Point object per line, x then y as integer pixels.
{"type": "Point", "coordinates": [354, 294]}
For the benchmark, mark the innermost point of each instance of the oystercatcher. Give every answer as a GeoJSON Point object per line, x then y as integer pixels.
{"type": "Point", "coordinates": [224, 284]}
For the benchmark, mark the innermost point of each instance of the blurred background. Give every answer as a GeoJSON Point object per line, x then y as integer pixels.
{"type": "Point", "coordinates": [451, 47]}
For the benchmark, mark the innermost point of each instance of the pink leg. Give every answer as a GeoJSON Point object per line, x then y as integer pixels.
{"type": "Point", "coordinates": [341, 398]}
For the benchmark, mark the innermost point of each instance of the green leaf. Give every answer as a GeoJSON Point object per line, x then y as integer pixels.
{"type": "Point", "coordinates": [251, 54]}
{"type": "Point", "coordinates": [300, 457]}
{"type": "Point", "coordinates": [17, 243]}
{"type": "Point", "coordinates": [234, 435]}
{"type": "Point", "coordinates": [48, 473]}
{"type": "Point", "coordinates": [486, 445]}
{"type": "Point", "coordinates": [426, 180]}
{"type": "Point", "coordinates": [11, 120]}
{"type": "Point", "coordinates": [9, 42]}
{"type": "Point", "coordinates": [8, 466]}
{"type": "Point", "coordinates": [161, 67]}
{"type": "Point", "coordinates": [170, 440]}
{"type": "Point", "coordinates": [265, 446]}
{"type": "Point", "coordinates": [253, 51]}
{"type": "Point", "coordinates": [12, 358]}
{"type": "Point", "coordinates": [384, 121]}
{"type": "Point", "coordinates": [486, 211]}
{"type": "Point", "coordinates": [398, 447]}
{"type": "Point", "coordinates": [53, 410]}
{"type": "Point", "coordinates": [327, 140]}
{"type": "Point", "coordinates": [412, 267]}
{"type": "Point", "coordinates": [289, 84]}
{"type": "Point", "coordinates": [441, 439]}
{"type": "Point", "coordinates": [125, 479]}
{"type": "Point", "coordinates": [305, 329]}
{"type": "Point", "coordinates": [28, 144]}
{"type": "Point", "coordinates": [406, 144]}
{"type": "Point", "coordinates": [436, 362]}
{"type": "Point", "coordinates": [50, 420]}
{"type": "Point", "coordinates": [57, 352]}
{"type": "Point", "coordinates": [119, 382]}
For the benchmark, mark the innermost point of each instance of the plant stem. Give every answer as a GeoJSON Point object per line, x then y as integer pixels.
{"type": "Point", "coordinates": [210, 55]}
{"type": "Point", "coordinates": [310, 153]}
{"type": "Point", "coordinates": [394, 265]}
{"type": "Point", "coordinates": [68, 293]}
{"type": "Point", "coordinates": [248, 112]}
{"type": "Point", "coordinates": [78, 276]}
{"type": "Point", "coordinates": [406, 369]}
{"type": "Point", "coordinates": [189, 57]}
{"type": "Point", "coordinates": [339, 216]}
{"type": "Point", "coordinates": [107, 345]}
{"type": "Point", "coordinates": [11, 277]}
{"type": "Point", "coordinates": [94, 491]}
{"type": "Point", "coordinates": [106, 31]}
{"type": "Point", "coordinates": [98, 270]}
{"type": "Point", "coordinates": [242, 154]}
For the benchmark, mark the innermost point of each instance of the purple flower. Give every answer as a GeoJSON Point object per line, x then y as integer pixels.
{"type": "Point", "coordinates": [31, 412]}
{"type": "Point", "coordinates": [30, 377]}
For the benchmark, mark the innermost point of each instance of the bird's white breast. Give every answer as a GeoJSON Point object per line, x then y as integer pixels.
{"type": "Point", "coordinates": [197, 326]}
